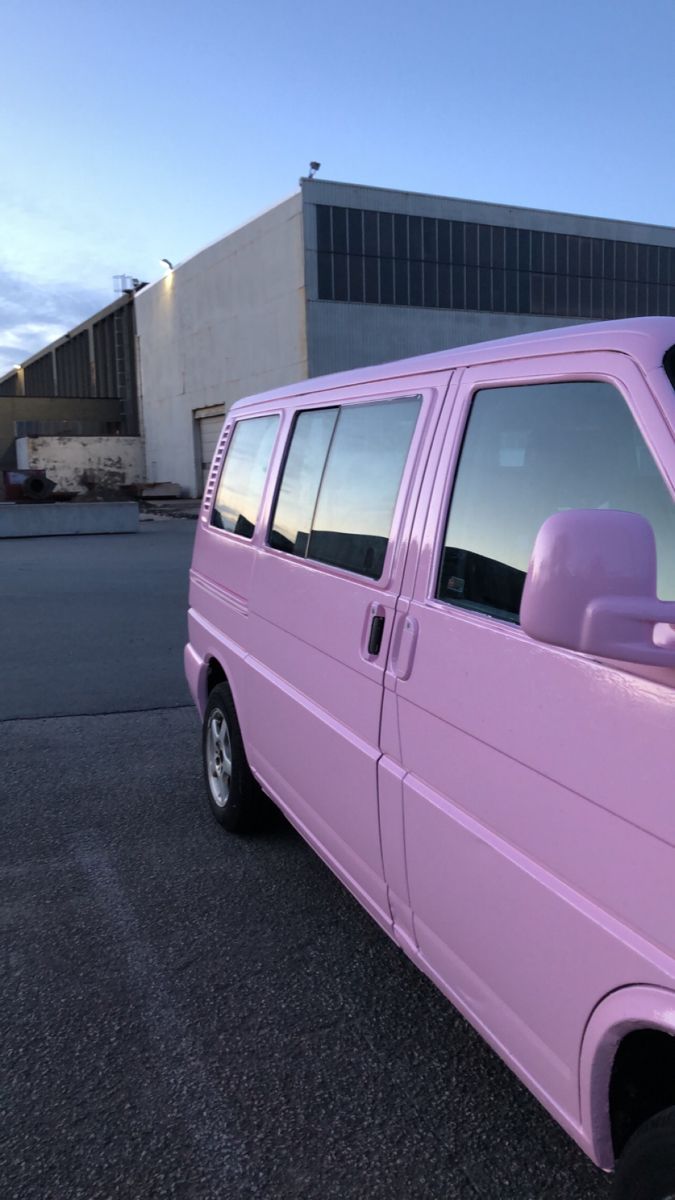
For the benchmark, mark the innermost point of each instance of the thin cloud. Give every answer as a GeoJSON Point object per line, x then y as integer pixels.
{"type": "Point", "coordinates": [33, 314]}
{"type": "Point", "coordinates": [33, 332]}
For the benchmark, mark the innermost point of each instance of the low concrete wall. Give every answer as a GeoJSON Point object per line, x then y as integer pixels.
{"type": "Point", "coordinates": [51, 520]}
{"type": "Point", "coordinates": [110, 462]}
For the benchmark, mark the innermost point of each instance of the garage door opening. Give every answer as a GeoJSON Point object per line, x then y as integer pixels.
{"type": "Point", "coordinates": [209, 424]}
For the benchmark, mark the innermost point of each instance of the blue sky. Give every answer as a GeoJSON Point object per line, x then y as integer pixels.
{"type": "Point", "coordinates": [141, 129]}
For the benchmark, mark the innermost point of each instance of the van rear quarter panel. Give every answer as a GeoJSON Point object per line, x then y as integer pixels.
{"type": "Point", "coordinates": [220, 586]}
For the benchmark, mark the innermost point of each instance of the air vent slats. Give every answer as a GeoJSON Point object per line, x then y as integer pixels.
{"type": "Point", "coordinates": [213, 476]}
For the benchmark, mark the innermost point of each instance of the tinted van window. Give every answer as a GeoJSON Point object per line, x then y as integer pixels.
{"type": "Point", "coordinates": [340, 483]}
{"type": "Point", "coordinates": [358, 492]}
{"type": "Point", "coordinates": [301, 478]}
{"type": "Point", "coordinates": [243, 475]}
{"type": "Point", "coordinates": [532, 451]}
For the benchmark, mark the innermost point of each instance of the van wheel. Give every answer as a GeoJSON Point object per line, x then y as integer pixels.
{"type": "Point", "coordinates": [646, 1168]}
{"type": "Point", "coordinates": [236, 801]}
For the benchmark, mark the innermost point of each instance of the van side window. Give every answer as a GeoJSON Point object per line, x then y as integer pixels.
{"type": "Point", "coordinates": [531, 451]}
{"type": "Point", "coordinates": [299, 489]}
{"type": "Point", "coordinates": [340, 483]}
{"type": "Point", "coordinates": [243, 475]}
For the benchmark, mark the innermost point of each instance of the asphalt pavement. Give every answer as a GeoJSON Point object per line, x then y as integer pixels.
{"type": "Point", "coordinates": [94, 624]}
{"type": "Point", "coordinates": [185, 1013]}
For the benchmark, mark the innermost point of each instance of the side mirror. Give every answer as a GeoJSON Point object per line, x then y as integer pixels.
{"type": "Point", "coordinates": [591, 586]}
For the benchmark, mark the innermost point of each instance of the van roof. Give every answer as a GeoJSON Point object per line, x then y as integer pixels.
{"type": "Point", "coordinates": [645, 339]}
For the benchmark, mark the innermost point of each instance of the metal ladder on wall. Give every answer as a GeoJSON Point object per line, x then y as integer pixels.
{"type": "Point", "coordinates": [123, 373]}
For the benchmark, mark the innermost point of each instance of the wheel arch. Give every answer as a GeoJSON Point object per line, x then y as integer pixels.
{"type": "Point", "coordinates": [203, 673]}
{"type": "Point", "coordinates": [215, 674]}
{"type": "Point", "coordinates": [221, 668]}
{"type": "Point", "coordinates": [606, 1050]}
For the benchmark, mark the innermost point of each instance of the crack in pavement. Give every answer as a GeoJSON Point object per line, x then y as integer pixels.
{"type": "Point", "coordinates": [114, 712]}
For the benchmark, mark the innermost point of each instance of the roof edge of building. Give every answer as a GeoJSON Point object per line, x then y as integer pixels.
{"type": "Point", "coordinates": [552, 212]}
{"type": "Point", "coordinates": [269, 208]}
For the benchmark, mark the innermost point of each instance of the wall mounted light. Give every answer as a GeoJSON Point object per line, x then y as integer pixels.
{"type": "Point", "coordinates": [166, 262]}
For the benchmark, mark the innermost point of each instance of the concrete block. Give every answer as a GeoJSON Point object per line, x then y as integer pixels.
{"type": "Point", "coordinates": [51, 520]}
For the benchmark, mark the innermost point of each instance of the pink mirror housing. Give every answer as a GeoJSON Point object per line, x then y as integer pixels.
{"type": "Point", "coordinates": [591, 586]}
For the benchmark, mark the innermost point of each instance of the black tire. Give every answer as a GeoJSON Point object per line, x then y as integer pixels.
{"type": "Point", "coordinates": [646, 1168]}
{"type": "Point", "coordinates": [236, 800]}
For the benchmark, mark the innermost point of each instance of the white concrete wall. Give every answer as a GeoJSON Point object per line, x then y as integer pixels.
{"type": "Point", "coordinates": [111, 462]}
{"type": "Point", "coordinates": [227, 323]}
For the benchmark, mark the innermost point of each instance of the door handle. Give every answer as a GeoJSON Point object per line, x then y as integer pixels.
{"type": "Point", "coordinates": [372, 631]}
{"type": "Point", "coordinates": [376, 631]}
{"type": "Point", "coordinates": [404, 652]}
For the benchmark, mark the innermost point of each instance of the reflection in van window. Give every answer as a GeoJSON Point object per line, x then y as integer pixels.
{"type": "Point", "coordinates": [301, 478]}
{"type": "Point", "coordinates": [360, 485]}
{"type": "Point", "coordinates": [341, 481]}
{"type": "Point", "coordinates": [532, 451]}
{"type": "Point", "coordinates": [243, 476]}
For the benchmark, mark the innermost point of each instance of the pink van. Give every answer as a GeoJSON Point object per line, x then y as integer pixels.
{"type": "Point", "coordinates": [432, 617]}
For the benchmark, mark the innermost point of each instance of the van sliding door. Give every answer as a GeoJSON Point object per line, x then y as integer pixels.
{"type": "Point", "coordinates": [324, 593]}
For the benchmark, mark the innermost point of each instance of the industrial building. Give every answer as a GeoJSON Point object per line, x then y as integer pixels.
{"type": "Point", "coordinates": [84, 384]}
{"type": "Point", "coordinates": [340, 276]}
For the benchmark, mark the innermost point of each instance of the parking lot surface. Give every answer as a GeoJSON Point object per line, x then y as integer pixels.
{"type": "Point", "coordinates": [94, 624]}
{"type": "Point", "coordinates": [185, 1013]}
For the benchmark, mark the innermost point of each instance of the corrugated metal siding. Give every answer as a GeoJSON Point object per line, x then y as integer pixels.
{"type": "Point", "coordinates": [10, 387]}
{"type": "Point", "coordinates": [115, 362]}
{"type": "Point", "coordinates": [38, 377]}
{"type": "Point", "coordinates": [428, 262]}
{"type": "Point", "coordinates": [104, 357]}
{"type": "Point", "coordinates": [73, 367]}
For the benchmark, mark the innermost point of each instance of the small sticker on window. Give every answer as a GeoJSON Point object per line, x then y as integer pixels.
{"type": "Point", "coordinates": [456, 585]}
